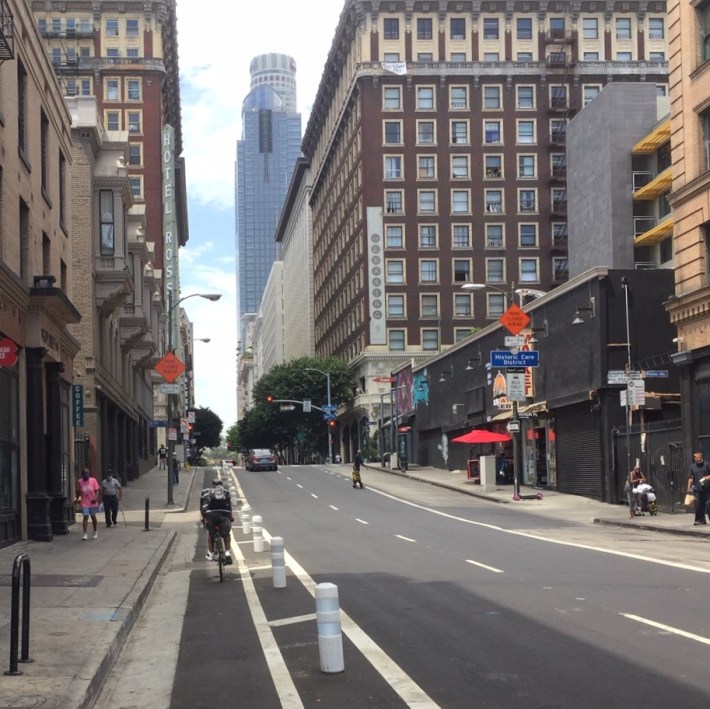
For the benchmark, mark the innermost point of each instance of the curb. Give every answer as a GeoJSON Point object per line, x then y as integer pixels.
{"type": "Point", "coordinates": [652, 528]}
{"type": "Point", "coordinates": [84, 696]}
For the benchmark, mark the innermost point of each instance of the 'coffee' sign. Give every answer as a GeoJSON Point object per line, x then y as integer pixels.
{"type": "Point", "coordinates": [8, 352]}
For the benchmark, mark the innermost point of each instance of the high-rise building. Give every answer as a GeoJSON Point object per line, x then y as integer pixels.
{"type": "Point", "coordinates": [437, 145]}
{"type": "Point", "coordinates": [266, 157]}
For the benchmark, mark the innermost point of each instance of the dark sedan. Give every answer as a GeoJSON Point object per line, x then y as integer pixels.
{"type": "Point", "coordinates": [261, 459]}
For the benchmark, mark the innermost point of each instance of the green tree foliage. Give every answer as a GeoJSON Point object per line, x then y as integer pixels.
{"type": "Point", "coordinates": [207, 429]}
{"type": "Point", "coordinates": [266, 425]}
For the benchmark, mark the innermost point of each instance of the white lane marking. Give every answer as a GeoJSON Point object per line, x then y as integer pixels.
{"type": "Point", "coordinates": [406, 539]}
{"type": "Point", "coordinates": [410, 692]}
{"type": "Point", "coordinates": [313, 495]}
{"type": "Point", "coordinates": [265, 567]}
{"type": "Point", "coordinates": [362, 521]}
{"type": "Point", "coordinates": [288, 477]}
{"type": "Point", "coordinates": [485, 566]}
{"type": "Point", "coordinates": [292, 621]}
{"type": "Point", "coordinates": [537, 537]}
{"type": "Point", "coordinates": [333, 507]}
{"type": "Point", "coordinates": [299, 485]}
{"type": "Point", "coordinates": [283, 682]}
{"type": "Point", "coordinates": [667, 628]}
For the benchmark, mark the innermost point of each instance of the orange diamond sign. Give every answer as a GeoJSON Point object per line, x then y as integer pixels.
{"type": "Point", "coordinates": [514, 319]}
{"type": "Point", "coordinates": [170, 368]}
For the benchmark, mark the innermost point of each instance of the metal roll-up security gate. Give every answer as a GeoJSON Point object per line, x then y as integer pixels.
{"type": "Point", "coordinates": [579, 453]}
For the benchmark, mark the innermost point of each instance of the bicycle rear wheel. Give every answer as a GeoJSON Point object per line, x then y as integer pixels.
{"type": "Point", "coordinates": [219, 548]}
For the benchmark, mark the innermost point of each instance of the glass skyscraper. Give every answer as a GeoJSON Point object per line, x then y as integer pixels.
{"type": "Point", "coordinates": [266, 157]}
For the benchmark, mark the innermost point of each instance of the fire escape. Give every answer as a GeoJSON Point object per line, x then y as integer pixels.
{"type": "Point", "coordinates": [6, 33]}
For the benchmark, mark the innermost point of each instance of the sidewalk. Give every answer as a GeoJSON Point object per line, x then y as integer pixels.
{"type": "Point", "coordinates": [85, 597]}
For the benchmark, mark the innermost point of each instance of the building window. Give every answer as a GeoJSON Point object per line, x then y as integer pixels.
{"type": "Point", "coordinates": [427, 236]}
{"type": "Point", "coordinates": [705, 122]}
{"type": "Point", "coordinates": [22, 110]}
{"type": "Point", "coordinates": [458, 97]}
{"type": "Point", "coordinates": [623, 56]}
{"type": "Point", "coordinates": [133, 89]}
{"type": "Point", "coordinates": [395, 271]}
{"type": "Point", "coordinates": [526, 166]}
{"type": "Point", "coordinates": [558, 95]}
{"type": "Point", "coordinates": [393, 132]}
{"type": "Point", "coordinates": [425, 57]}
{"type": "Point", "coordinates": [132, 52]}
{"type": "Point", "coordinates": [558, 163]}
{"type": "Point", "coordinates": [494, 201]}
{"type": "Point", "coordinates": [528, 236]}
{"type": "Point", "coordinates": [491, 132]}
{"type": "Point", "coordinates": [392, 98]}
{"type": "Point", "coordinates": [427, 201]}
{"type": "Point", "coordinates": [557, 27]}
{"type": "Point", "coordinates": [44, 153]}
{"type": "Point", "coordinates": [393, 202]}
{"type": "Point", "coordinates": [529, 270]}
{"type": "Point", "coordinates": [393, 167]}
{"type": "Point", "coordinates": [394, 236]}
{"type": "Point", "coordinates": [113, 53]}
{"type": "Point", "coordinates": [560, 270]}
{"type": "Point", "coordinates": [526, 132]}
{"type": "Point", "coordinates": [395, 306]}
{"type": "Point", "coordinates": [528, 200]}
{"type": "Point", "coordinates": [491, 97]}
{"type": "Point", "coordinates": [425, 132]}
{"type": "Point", "coordinates": [113, 90]}
{"type": "Point", "coordinates": [86, 87]}
{"type": "Point", "coordinates": [589, 93]}
{"type": "Point", "coordinates": [106, 208]}
{"type": "Point", "coordinates": [397, 341]}
{"type": "Point", "coordinates": [623, 28]}
{"type": "Point", "coordinates": [131, 28]}
{"type": "Point", "coordinates": [459, 167]}
{"type": "Point", "coordinates": [391, 28]}
{"type": "Point", "coordinates": [524, 57]}
{"type": "Point", "coordinates": [462, 270]}
{"type": "Point", "coordinates": [657, 56]}
{"type": "Point", "coordinates": [524, 28]}
{"type": "Point", "coordinates": [460, 202]}
{"type": "Point", "coordinates": [559, 233]}
{"type": "Point", "coordinates": [113, 120]}
{"type": "Point", "coordinates": [458, 28]}
{"type": "Point", "coordinates": [461, 237]}
{"type": "Point", "coordinates": [429, 305]}
{"type": "Point", "coordinates": [559, 198]}
{"type": "Point", "coordinates": [134, 121]}
{"type": "Point", "coordinates": [457, 57]}
{"type": "Point", "coordinates": [656, 28]}
{"type": "Point", "coordinates": [491, 57]}
{"type": "Point", "coordinates": [494, 236]}
{"type": "Point", "coordinates": [590, 28]}
{"type": "Point", "coordinates": [430, 340]}
{"type": "Point", "coordinates": [590, 57]}
{"type": "Point", "coordinates": [424, 28]}
{"type": "Point", "coordinates": [495, 305]}
{"type": "Point", "coordinates": [459, 132]}
{"type": "Point", "coordinates": [493, 166]}
{"type": "Point", "coordinates": [111, 28]}
{"type": "Point", "coordinates": [526, 97]}
{"type": "Point", "coordinates": [425, 98]}
{"type": "Point", "coordinates": [426, 167]}
{"type": "Point", "coordinates": [703, 11]}
{"type": "Point", "coordinates": [136, 187]}
{"type": "Point", "coordinates": [462, 305]}
{"type": "Point", "coordinates": [62, 190]}
{"type": "Point", "coordinates": [490, 28]}
{"type": "Point", "coordinates": [495, 270]}
{"type": "Point", "coordinates": [428, 271]}
{"type": "Point", "coordinates": [135, 154]}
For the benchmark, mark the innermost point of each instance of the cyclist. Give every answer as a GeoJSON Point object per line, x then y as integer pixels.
{"type": "Point", "coordinates": [217, 516]}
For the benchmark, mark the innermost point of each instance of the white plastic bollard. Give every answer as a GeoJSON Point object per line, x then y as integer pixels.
{"type": "Point", "coordinates": [330, 636]}
{"type": "Point", "coordinates": [246, 523]}
{"type": "Point", "coordinates": [278, 562]}
{"type": "Point", "coordinates": [257, 533]}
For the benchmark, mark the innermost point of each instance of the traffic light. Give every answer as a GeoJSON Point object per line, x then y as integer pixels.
{"type": "Point", "coordinates": [269, 399]}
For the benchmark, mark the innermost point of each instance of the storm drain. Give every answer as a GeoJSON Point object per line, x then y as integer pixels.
{"type": "Point", "coordinates": [56, 580]}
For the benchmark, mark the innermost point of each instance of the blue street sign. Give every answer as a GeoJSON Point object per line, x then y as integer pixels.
{"type": "Point", "coordinates": [660, 373]}
{"type": "Point", "coordinates": [525, 358]}
{"type": "Point", "coordinates": [158, 423]}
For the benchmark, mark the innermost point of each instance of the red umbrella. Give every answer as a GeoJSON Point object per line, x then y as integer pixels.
{"type": "Point", "coordinates": [481, 435]}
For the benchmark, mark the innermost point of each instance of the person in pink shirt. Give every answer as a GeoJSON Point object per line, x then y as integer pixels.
{"type": "Point", "coordinates": [88, 494]}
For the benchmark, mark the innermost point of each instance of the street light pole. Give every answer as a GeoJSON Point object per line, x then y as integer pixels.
{"type": "Point", "coordinates": [625, 286]}
{"type": "Point", "coordinates": [171, 442]}
{"type": "Point", "coordinates": [330, 439]}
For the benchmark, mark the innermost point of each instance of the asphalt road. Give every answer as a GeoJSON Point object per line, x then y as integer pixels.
{"type": "Point", "coordinates": [446, 601]}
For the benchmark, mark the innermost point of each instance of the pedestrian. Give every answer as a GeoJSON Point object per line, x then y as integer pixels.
{"type": "Point", "coordinates": [357, 464]}
{"type": "Point", "coordinates": [176, 469]}
{"type": "Point", "coordinates": [111, 494]}
{"type": "Point", "coordinates": [163, 457]}
{"type": "Point", "coordinates": [699, 484]}
{"type": "Point", "coordinates": [88, 494]}
{"type": "Point", "coordinates": [636, 478]}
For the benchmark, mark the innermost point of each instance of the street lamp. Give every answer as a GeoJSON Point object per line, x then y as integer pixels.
{"type": "Point", "coordinates": [330, 439]}
{"type": "Point", "coordinates": [171, 443]}
{"type": "Point", "coordinates": [515, 420]}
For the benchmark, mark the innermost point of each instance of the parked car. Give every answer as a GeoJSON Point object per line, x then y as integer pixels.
{"type": "Point", "coordinates": [261, 459]}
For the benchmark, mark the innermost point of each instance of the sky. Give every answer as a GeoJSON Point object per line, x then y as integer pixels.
{"type": "Point", "coordinates": [214, 60]}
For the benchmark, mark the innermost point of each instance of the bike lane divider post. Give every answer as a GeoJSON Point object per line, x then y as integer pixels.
{"type": "Point", "coordinates": [257, 534]}
{"type": "Point", "coordinates": [246, 523]}
{"type": "Point", "coordinates": [330, 635]}
{"type": "Point", "coordinates": [278, 563]}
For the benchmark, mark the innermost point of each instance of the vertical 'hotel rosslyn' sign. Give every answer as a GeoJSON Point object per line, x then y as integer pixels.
{"type": "Point", "coordinates": [170, 237]}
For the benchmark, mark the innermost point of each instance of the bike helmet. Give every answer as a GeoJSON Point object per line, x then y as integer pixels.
{"type": "Point", "coordinates": [217, 481]}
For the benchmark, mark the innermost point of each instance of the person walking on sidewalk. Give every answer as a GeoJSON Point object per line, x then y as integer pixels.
{"type": "Point", "coordinates": [163, 457]}
{"type": "Point", "coordinates": [636, 477]}
{"type": "Point", "coordinates": [699, 483]}
{"type": "Point", "coordinates": [175, 468]}
{"type": "Point", "coordinates": [88, 494]}
{"type": "Point", "coordinates": [111, 495]}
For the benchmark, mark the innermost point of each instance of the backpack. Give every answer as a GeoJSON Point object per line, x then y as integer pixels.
{"type": "Point", "coordinates": [219, 499]}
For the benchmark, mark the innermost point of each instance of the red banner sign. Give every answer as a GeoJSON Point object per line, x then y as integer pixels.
{"type": "Point", "coordinates": [8, 352]}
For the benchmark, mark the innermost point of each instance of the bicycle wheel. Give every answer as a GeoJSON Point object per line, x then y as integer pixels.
{"type": "Point", "coordinates": [219, 543]}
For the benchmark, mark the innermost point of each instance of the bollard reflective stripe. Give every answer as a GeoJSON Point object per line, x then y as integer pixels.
{"type": "Point", "coordinates": [246, 523]}
{"type": "Point", "coordinates": [330, 637]}
{"type": "Point", "coordinates": [278, 562]}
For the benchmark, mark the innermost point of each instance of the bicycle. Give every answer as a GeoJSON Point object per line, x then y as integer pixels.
{"type": "Point", "coordinates": [220, 553]}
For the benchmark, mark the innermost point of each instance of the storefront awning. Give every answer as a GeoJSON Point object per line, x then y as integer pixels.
{"type": "Point", "coordinates": [503, 415]}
